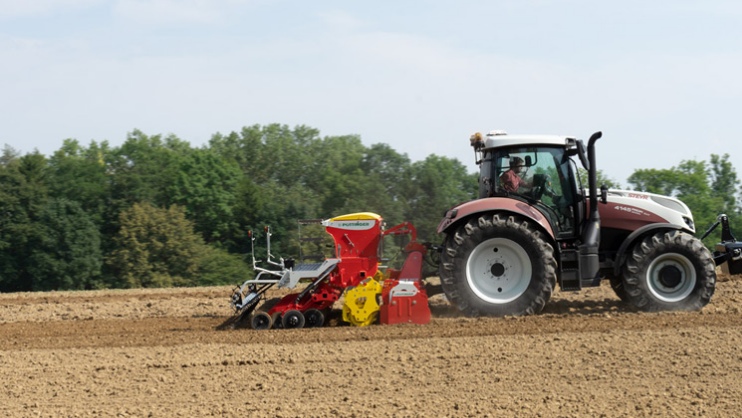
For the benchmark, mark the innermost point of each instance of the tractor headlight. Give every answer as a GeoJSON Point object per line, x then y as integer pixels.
{"type": "Point", "coordinates": [688, 221]}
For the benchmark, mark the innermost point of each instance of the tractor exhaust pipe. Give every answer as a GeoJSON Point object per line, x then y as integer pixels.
{"type": "Point", "coordinates": [589, 262]}
{"type": "Point", "coordinates": [593, 172]}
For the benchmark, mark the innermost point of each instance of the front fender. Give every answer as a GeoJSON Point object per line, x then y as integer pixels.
{"type": "Point", "coordinates": [463, 211]}
{"type": "Point", "coordinates": [622, 252]}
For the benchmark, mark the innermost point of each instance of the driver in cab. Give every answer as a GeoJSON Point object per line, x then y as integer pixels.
{"type": "Point", "coordinates": [511, 180]}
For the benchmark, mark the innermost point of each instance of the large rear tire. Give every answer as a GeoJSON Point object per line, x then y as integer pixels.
{"type": "Point", "coordinates": [669, 271]}
{"type": "Point", "coordinates": [497, 265]}
{"type": "Point", "coordinates": [618, 287]}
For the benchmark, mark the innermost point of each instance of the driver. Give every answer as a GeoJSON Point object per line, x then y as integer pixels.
{"type": "Point", "coordinates": [511, 180]}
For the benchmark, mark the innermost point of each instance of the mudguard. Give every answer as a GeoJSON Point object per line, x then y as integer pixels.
{"type": "Point", "coordinates": [621, 254]}
{"type": "Point", "coordinates": [465, 210]}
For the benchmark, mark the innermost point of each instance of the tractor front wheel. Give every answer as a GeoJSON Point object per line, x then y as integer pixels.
{"type": "Point", "coordinates": [669, 271]}
{"type": "Point", "coordinates": [497, 265]}
{"type": "Point", "coordinates": [617, 286]}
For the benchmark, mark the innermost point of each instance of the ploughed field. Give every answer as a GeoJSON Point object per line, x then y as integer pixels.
{"type": "Point", "coordinates": [160, 353]}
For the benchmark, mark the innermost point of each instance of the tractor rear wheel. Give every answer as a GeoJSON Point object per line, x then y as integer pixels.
{"type": "Point", "coordinates": [669, 271]}
{"type": "Point", "coordinates": [497, 265]}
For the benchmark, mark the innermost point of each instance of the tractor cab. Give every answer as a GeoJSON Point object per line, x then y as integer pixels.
{"type": "Point", "coordinates": [540, 172]}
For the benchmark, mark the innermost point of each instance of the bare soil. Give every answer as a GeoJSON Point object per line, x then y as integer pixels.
{"type": "Point", "coordinates": [160, 353]}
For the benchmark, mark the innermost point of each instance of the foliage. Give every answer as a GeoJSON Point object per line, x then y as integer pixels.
{"type": "Point", "coordinates": [206, 186]}
{"type": "Point", "coordinates": [218, 267]}
{"type": "Point", "coordinates": [436, 184]}
{"type": "Point", "coordinates": [79, 174]}
{"type": "Point", "coordinates": [23, 195]}
{"type": "Point", "coordinates": [156, 247]}
{"type": "Point", "coordinates": [66, 252]}
{"type": "Point", "coordinates": [601, 180]}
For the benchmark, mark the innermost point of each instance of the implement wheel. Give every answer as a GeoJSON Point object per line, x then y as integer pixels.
{"type": "Point", "coordinates": [497, 265]}
{"type": "Point", "coordinates": [314, 318]}
{"type": "Point", "coordinates": [261, 320]}
{"type": "Point", "coordinates": [277, 320]}
{"type": "Point", "coordinates": [293, 319]}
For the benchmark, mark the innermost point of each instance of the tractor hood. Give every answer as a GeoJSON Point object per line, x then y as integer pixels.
{"type": "Point", "coordinates": [630, 210]}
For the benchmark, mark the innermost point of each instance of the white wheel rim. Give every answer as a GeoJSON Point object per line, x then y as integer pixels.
{"type": "Point", "coordinates": [671, 277]}
{"type": "Point", "coordinates": [498, 270]}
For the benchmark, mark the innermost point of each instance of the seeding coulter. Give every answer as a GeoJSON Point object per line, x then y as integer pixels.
{"type": "Point", "coordinates": [353, 274]}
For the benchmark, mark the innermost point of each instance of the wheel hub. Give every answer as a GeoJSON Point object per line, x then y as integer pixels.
{"type": "Point", "coordinates": [670, 276]}
{"type": "Point", "coordinates": [498, 270]}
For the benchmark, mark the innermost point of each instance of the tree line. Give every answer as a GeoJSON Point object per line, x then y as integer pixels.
{"type": "Point", "coordinates": [158, 212]}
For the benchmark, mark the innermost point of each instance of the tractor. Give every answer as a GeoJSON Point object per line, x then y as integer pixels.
{"type": "Point", "coordinates": [505, 252]}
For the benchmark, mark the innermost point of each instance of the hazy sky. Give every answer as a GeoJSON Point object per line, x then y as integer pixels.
{"type": "Point", "coordinates": [661, 79]}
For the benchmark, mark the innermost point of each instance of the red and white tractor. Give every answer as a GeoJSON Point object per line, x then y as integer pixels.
{"type": "Point", "coordinates": [507, 251]}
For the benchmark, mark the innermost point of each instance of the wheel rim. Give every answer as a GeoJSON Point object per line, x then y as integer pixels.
{"type": "Point", "coordinates": [498, 270]}
{"type": "Point", "coordinates": [671, 277]}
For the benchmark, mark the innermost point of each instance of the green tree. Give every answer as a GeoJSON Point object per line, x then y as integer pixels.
{"type": "Point", "coordinates": [206, 185]}
{"type": "Point", "coordinates": [79, 174]}
{"type": "Point", "coordinates": [277, 186]}
{"type": "Point", "coordinates": [66, 250]}
{"type": "Point", "coordinates": [23, 197]}
{"type": "Point", "coordinates": [156, 248]}
{"type": "Point", "coordinates": [218, 267]}
{"type": "Point", "coordinates": [144, 169]}
{"type": "Point", "coordinates": [386, 176]}
{"type": "Point", "coordinates": [724, 183]}
{"type": "Point", "coordinates": [335, 174]}
{"type": "Point", "coordinates": [601, 179]}
{"type": "Point", "coordinates": [436, 184]}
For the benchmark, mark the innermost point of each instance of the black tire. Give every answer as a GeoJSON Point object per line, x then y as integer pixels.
{"type": "Point", "coordinates": [275, 317]}
{"type": "Point", "coordinates": [669, 271]}
{"type": "Point", "coordinates": [314, 318]}
{"type": "Point", "coordinates": [277, 320]}
{"type": "Point", "coordinates": [293, 319]}
{"type": "Point", "coordinates": [618, 287]}
{"type": "Point", "coordinates": [497, 265]}
{"type": "Point", "coordinates": [261, 320]}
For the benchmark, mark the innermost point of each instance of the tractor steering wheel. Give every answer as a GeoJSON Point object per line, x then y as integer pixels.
{"type": "Point", "coordinates": [540, 184]}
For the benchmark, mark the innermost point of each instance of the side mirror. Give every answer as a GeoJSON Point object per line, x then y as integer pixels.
{"type": "Point", "coordinates": [582, 154]}
{"type": "Point", "coordinates": [603, 194]}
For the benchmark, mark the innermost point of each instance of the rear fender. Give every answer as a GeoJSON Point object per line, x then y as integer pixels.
{"type": "Point", "coordinates": [621, 254]}
{"type": "Point", "coordinates": [462, 212]}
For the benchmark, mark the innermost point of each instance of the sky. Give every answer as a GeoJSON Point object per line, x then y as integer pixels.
{"type": "Point", "coordinates": [661, 79]}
